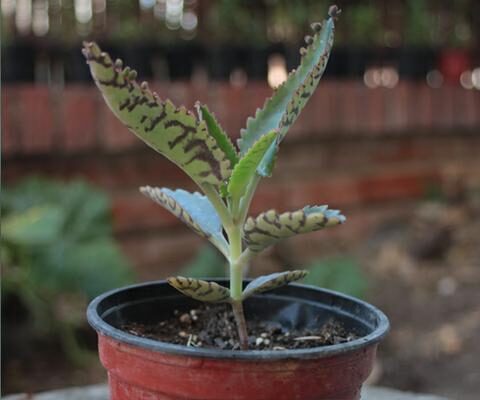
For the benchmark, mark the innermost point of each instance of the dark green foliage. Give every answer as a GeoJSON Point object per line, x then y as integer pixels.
{"type": "Point", "coordinates": [57, 252]}
{"type": "Point", "coordinates": [343, 274]}
{"type": "Point", "coordinates": [207, 263]}
{"type": "Point", "coordinates": [62, 234]}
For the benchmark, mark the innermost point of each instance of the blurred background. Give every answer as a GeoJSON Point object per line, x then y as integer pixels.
{"type": "Point", "coordinates": [391, 137]}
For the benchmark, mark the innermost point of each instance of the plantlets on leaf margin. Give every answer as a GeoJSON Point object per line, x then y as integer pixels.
{"type": "Point", "coordinates": [227, 177]}
{"type": "Point", "coordinates": [282, 109]}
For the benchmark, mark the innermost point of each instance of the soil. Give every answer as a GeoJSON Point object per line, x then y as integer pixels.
{"type": "Point", "coordinates": [213, 326]}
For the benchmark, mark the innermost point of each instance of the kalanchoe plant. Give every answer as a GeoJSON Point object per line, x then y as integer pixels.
{"type": "Point", "coordinates": [227, 176]}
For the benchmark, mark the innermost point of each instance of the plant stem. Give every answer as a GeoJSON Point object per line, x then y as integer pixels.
{"type": "Point", "coordinates": [235, 239]}
{"type": "Point", "coordinates": [236, 279]}
{"type": "Point", "coordinates": [247, 199]}
{"type": "Point", "coordinates": [219, 205]}
{"type": "Point", "coordinates": [237, 308]}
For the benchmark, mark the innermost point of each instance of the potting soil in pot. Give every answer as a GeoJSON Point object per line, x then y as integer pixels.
{"type": "Point", "coordinates": [213, 326]}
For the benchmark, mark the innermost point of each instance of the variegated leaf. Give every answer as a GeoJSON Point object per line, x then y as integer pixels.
{"type": "Point", "coordinates": [282, 109]}
{"type": "Point", "coordinates": [173, 132]}
{"type": "Point", "coordinates": [193, 209]}
{"type": "Point", "coordinates": [272, 281]}
{"type": "Point", "coordinates": [199, 289]}
{"type": "Point", "coordinates": [216, 131]}
{"type": "Point", "coordinates": [269, 227]}
{"type": "Point", "coordinates": [246, 168]}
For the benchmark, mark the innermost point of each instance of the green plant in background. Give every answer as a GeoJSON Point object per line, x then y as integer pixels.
{"type": "Point", "coordinates": [226, 175]}
{"type": "Point", "coordinates": [419, 24]}
{"type": "Point", "coordinates": [365, 24]}
{"type": "Point", "coordinates": [57, 252]}
{"type": "Point", "coordinates": [207, 263]}
{"type": "Point", "coordinates": [343, 274]}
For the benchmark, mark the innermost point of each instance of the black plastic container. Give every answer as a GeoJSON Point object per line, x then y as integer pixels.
{"type": "Point", "coordinates": [294, 307]}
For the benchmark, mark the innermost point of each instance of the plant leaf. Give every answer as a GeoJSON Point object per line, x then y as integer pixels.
{"type": "Point", "coordinates": [246, 168]}
{"type": "Point", "coordinates": [272, 281]}
{"type": "Point", "coordinates": [41, 225]}
{"type": "Point", "coordinates": [173, 132]}
{"type": "Point", "coordinates": [282, 109]}
{"type": "Point", "coordinates": [193, 209]}
{"type": "Point", "coordinates": [200, 290]}
{"type": "Point", "coordinates": [216, 131]}
{"type": "Point", "coordinates": [270, 226]}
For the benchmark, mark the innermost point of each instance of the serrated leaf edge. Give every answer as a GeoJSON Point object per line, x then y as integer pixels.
{"type": "Point", "coordinates": [239, 165]}
{"type": "Point", "coordinates": [311, 47]}
{"type": "Point", "coordinates": [92, 52]}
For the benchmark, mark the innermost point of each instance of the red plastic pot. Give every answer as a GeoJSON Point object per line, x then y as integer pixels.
{"type": "Point", "coordinates": [144, 369]}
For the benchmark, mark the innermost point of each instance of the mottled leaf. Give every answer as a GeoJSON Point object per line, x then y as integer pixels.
{"type": "Point", "coordinates": [200, 290]}
{"type": "Point", "coordinates": [282, 109]}
{"type": "Point", "coordinates": [246, 168]}
{"type": "Point", "coordinates": [216, 131]}
{"type": "Point", "coordinates": [174, 132]}
{"type": "Point", "coordinates": [272, 281]}
{"type": "Point", "coordinates": [269, 227]}
{"type": "Point", "coordinates": [193, 209]}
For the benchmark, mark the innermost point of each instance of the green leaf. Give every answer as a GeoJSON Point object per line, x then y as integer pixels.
{"type": "Point", "coordinates": [193, 209]}
{"type": "Point", "coordinates": [282, 109]}
{"type": "Point", "coordinates": [272, 281]}
{"type": "Point", "coordinates": [89, 267]}
{"type": "Point", "coordinates": [216, 131]}
{"type": "Point", "coordinates": [270, 227]}
{"type": "Point", "coordinates": [343, 274]}
{"type": "Point", "coordinates": [173, 132]}
{"type": "Point", "coordinates": [200, 290]}
{"type": "Point", "coordinates": [36, 226]}
{"type": "Point", "coordinates": [207, 263]}
{"type": "Point", "coordinates": [246, 169]}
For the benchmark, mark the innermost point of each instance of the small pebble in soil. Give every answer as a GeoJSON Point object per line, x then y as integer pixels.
{"type": "Point", "coordinates": [213, 326]}
{"type": "Point", "coordinates": [185, 319]}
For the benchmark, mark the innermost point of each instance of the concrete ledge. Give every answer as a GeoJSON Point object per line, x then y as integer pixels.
{"type": "Point", "coordinates": [100, 392]}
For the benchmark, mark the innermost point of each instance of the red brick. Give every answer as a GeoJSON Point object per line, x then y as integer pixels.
{"type": "Point", "coordinates": [396, 107]}
{"type": "Point", "coordinates": [336, 192]}
{"type": "Point", "coordinates": [79, 124]}
{"type": "Point", "coordinates": [231, 103]}
{"type": "Point", "coordinates": [135, 212]}
{"type": "Point", "coordinates": [420, 110]}
{"type": "Point", "coordinates": [178, 93]}
{"type": "Point", "coordinates": [9, 133]}
{"type": "Point", "coordinates": [159, 255]}
{"type": "Point", "coordinates": [35, 108]}
{"type": "Point", "coordinates": [351, 94]}
{"type": "Point", "coordinates": [375, 112]}
{"type": "Point", "coordinates": [465, 114]}
{"type": "Point", "coordinates": [268, 196]}
{"type": "Point", "coordinates": [395, 186]}
{"type": "Point", "coordinates": [114, 135]}
{"type": "Point", "coordinates": [405, 150]}
{"type": "Point", "coordinates": [319, 112]}
{"type": "Point", "coordinates": [443, 108]}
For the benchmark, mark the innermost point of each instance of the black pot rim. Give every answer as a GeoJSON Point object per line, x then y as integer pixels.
{"type": "Point", "coordinates": [105, 329]}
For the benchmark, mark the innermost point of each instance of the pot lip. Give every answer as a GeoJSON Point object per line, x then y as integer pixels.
{"type": "Point", "coordinates": [105, 329]}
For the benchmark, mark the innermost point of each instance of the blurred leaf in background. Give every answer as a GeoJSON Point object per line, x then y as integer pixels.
{"type": "Point", "coordinates": [57, 252]}
{"type": "Point", "coordinates": [343, 274]}
{"type": "Point", "coordinates": [208, 263]}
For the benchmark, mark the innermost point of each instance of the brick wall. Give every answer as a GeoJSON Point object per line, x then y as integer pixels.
{"type": "Point", "coordinates": [362, 150]}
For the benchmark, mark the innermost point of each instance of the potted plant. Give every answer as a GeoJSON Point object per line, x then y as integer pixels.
{"type": "Point", "coordinates": [212, 351]}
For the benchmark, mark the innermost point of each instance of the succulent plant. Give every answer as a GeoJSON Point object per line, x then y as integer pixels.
{"type": "Point", "coordinates": [227, 175]}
